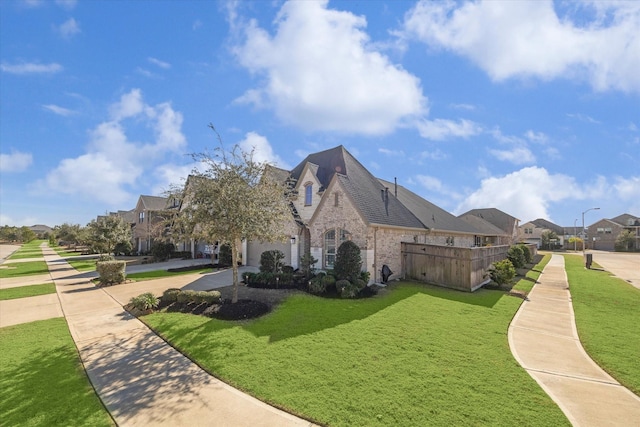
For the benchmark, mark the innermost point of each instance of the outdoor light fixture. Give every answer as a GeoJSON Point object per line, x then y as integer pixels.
{"type": "Point", "coordinates": [293, 240]}
{"type": "Point", "coordinates": [584, 234]}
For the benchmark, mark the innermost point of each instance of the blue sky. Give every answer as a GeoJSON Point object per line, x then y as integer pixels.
{"type": "Point", "coordinates": [529, 107]}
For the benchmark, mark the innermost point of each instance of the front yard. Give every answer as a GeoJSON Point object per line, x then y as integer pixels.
{"type": "Point", "coordinates": [415, 355]}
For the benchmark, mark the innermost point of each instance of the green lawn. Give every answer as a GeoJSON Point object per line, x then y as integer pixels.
{"type": "Point", "coordinates": [156, 274]}
{"type": "Point", "coordinates": [18, 269]}
{"type": "Point", "coordinates": [67, 253]}
{"type": "Point", "coordinates": [27, 291]}
{"type": "Point", "coordinates": [42, 382]}
{"type": "Point", "coordinates": [83, 264]}
{"type": "Point", "coordinates": [526, 283]}
{"type": "Point", "coordinates": [607, 311]}
{"type": "Point", "coordinates": [28, 250]}
{"type": "Point", "coordinates": [418, 355]}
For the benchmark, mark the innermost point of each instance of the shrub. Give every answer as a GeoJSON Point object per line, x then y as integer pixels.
{"type": "Point", "coordinates": [170, 295]}
{"type": "Point", "coordinates": [211, 297]}
{"type": "Point", "coordinates": [269, 280]}
{"type": "Point", "coordinates": [186, 297]}
{"type": "Point", "coordinates": [365, 276]}
{"type": "Point", "coordinates": [105, 257]}
{"type": "Point", "coordinates": [307, 261]}
{"type": "Point", "coordinates": [348, 261]}
{"type": "Point", "coordinates": [224, 255]}
{"type": "Point", "coordinates": [271, 261]}
{"type": "Point", "coordinates": [123, 248]}
{"type": "Point", "coordinates": [144, 302]}
{"type": "Point", "coordinates": [515, 254]}
{"type": "Point", "coordinates": [317, 285]}
{"type": "Point", "coordinates": [111, 272]}
{"type": "Point", "coordinates": [527, 253]}
{"type": "Point", "coordinates": [502, 272]}
{"type": "Point", "coordinates": [162, 251]}
{"type": "Point", "coordinates": [346, 289]}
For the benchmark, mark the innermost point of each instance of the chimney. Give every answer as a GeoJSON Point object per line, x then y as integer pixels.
{"type": "Point", "coordinates": [395, 183]}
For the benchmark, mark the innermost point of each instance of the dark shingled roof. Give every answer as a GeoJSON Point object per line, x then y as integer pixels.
{"type": "Point", "coordinates": [502, 220]}
{"type": "Point", "coordinates": [548, 225]}
{"type": "Point", "coordinates": [375, 199]}
{"type": "Point", "coordinates": [482, 225]}
{"type": "Point", "coordinates": [154, 203]}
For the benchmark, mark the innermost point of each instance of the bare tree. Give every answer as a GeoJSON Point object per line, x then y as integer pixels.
{"type": "Point", "coordinates": [231, 199]}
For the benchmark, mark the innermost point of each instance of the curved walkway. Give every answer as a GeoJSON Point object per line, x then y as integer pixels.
{"type": "Point", "coordinates": [544, 340]}
{"type": "Point", "coordinates": [140, 378]}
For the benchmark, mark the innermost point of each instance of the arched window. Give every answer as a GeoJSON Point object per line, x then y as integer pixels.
{"type": "Point", "coordinates": [332, 239]}
{"type": "Point", "coordinates": [308, 194]}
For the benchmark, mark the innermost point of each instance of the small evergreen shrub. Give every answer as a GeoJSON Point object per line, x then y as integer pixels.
{"type": "Point", "coordinates": [225, 257]}
{"type": "Point", "coordinates": [162, 251]}
{"type": "Point", "coordinates": [346, 289]}
{"type": "Point", "coordinates": [111, 272]}
{"type": "Point", "coordinates": [348, 261]}
{"type": "Point", "coordinates": [211, 297]}
{"type": "Point", "coordinates": [365, 276]}
{"type": "Point", "coordinates": [527, 253]}
{"type": "Point", "coordinates": [144, 302]}
{"type": "Point", "coordinates": [317, 285]}
{"type": "Point", "coordinates": [105, 257]}
{"type": "Point", "coordinates": [502, 272]}
{"type": "Point", "coordinates": [170, 295]}
{"type": "Point", "coordinates": [186, 297]}
{"type": "Point", "coordinates": [271, 261]}
{"type": "Point", "coordinates": [515, 254]}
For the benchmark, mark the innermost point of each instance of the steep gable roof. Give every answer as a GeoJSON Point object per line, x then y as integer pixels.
{"type": "Point", "coordinates": [154, 203]}
{"type": "Point", "coordinates": [543, 223]}
{"type": "Point", "coordinates": [502, 220]}
{"type": "Point", "coordinates": [482, 225]}
{"type": "Point", "coordinates": [626, 220]}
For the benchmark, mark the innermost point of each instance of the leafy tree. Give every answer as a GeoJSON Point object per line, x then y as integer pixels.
{"type": "Point", "coordinates": [104, 233]}
{"type": "Point", "coordinates": [348, 262]}
{"type": "Point", "coordinates": [549, 238]}
{"type": "Point", "coordinates": [271, 261]}
{"type": "Point", "coordinates": [229, 200]}
{"type": "Point", "coordinates": [68, 233]}
{"type": "Point", "coordinates": [575, 243]}
{"type": "Point", "coordinates": [625, 241]}
{"type": "Point", "coordinates": [26, 234]}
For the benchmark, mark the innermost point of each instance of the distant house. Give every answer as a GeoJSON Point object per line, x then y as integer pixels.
{"type": "Point", "coordinates": [335, 198]}
{"type": "Point", "coordinates": [531, 232]}
{"type": "Point", "coordinates": [500, 227]}
{"type": "Point", "coordinates": [149, 218]}
{"type": "Point", "coordinates": [602, 234]}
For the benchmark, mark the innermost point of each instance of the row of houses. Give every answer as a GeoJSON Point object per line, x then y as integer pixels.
{"type": "Point", "coordinates": [600, 235]}
{"type": "Point", "coordinates": [336, 199]}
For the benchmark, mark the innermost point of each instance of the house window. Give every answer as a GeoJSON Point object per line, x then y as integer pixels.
{"type": "Point", "coordinates": [141, 217]}
{"type": "Point", "coordinates": [600, 230]}
{"type": "Point", "coordinates": [308, 194]}
{"type": "Point", "coordinates": [332, 240]}
{"type": "Point", "coordinates": [607, 230]}
{"type": "Point", "coordinates": [528, 231]}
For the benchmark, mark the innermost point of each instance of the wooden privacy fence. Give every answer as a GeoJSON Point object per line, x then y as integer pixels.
{"type": "Point", "coordinates": [457, 268]}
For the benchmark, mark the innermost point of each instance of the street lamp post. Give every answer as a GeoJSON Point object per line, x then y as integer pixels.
{"type": "Point", "coordinates": [584, 235]}
{"type": "Point", "coordinates": [575, 235]}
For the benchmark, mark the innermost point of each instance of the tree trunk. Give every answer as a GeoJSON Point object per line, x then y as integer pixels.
{"type": "Point", "coordinates": [234, 268]}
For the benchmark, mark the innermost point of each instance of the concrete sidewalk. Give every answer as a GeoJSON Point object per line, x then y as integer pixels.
{"type": "Point", "coordinates": [544, 340]}
{"type": "Point", "coordinates": [140, 378]}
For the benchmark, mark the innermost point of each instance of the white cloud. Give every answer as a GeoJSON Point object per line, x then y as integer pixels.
{"type": "Point", "coordinates": [537, 137]}
{"type": "Point", "coordinates": [520, 39]}
{"type": "Point", "coordinates": [31, 68]}
{"type": "Point", "coordinates": [262, 150]}
{"type": "Point", "coordinates": [159, 63]}
{"type": "Point", "coordinates": [322, 73]}
{"type": "Point", "coordinates": [169, 175]}
{"type": "Point", "coordinates": [515, 155]}
{"type": "Point", "coordinates": [61, 111]}
{"type": "Point", "coordinates": [629, 189]}
{"type": "Point", "coordinates": [113, 163]}
{"type": "Point", "coordinates": [15, 162]}
{"type": "Point", "coordinates": [584, 118]}
{"type": "Point", "coordinates": [69, 28]}
{"type": "Point", "coordinates": [441, 129]}
{"type": "Point", "coordinates": [526, 193]}
{"type": "Point", "coordinates": [387, 152]}
{"type": "Point", "coordinates": [436, 154]}
{"type": "Point", "coordinates": [435, 185]}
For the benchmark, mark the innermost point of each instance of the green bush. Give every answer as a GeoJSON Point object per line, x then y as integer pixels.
{"type": "Point", "coordinates": [211, 297]}
{"type": "Point", "coordinates": [515, 254]}
{"type": "Point", "coordinates": [111, 272]}
{"type": "Point", "coordinates": [365, 276]}
{"type": "Point", "coordinates": [271, 261]}
{"type": "Point", "coordinates": [318, 284]}
{"type": "Point", "coordinates": [105, 257]}
{"type": "Point", "coordinates": [346, 289]}
{"type": "Point", "coordinates": [269, 280]}
{"type": "Point", "coordinates": [186, 297]}
{"type": "Point", "coordinates": [502, 272]}
{"type": "Point", "coordinates": [224, 255]}
{"type": "Point", "coordinates": [527, 253]}
{"type": "Point", "coordinates": [348, 261]}
{"type": "Point", "coordinates": [146, 301]}
{"type": "Point", "coordinates": [162, 251]}
{"type": "Point", "coordinates": [170, 295]}
{"type": "Point", "coordinates": [123, 248]}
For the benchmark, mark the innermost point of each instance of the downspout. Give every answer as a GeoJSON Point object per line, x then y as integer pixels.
{"type": "Point", "coordinates": [375, 255]}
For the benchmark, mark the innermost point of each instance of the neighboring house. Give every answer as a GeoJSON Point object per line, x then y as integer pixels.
{"type": "Point", "coordinates": [500, 227]}
{"type": "Point", "coordinates": [602, 234]}
{"type": "Point", "coordinates": [531, 232]}
{"type": "Point", "coordinates": [149, 216]}
{"type": "Point", "coordinates": [335, 198]}
{"type": "Point", "coordinates": [41, 231]}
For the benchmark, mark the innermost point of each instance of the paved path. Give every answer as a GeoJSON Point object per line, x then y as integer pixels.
{"type": "Point", "coordinates": [141, 379]}
{"type": "Point", "coordinates": [544, 340]}
{"type": "Point", "coordinates": [624, 265]}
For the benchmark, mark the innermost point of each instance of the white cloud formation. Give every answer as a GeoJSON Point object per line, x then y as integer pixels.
{"type": "Point", "coordinates": [526, 193]}
{"type": "Point", "coordinates": [159, 63]}
{"type": "Point", "coordinates": [69, 28]}
{"type": "Point", "coordinates": [515, 155]}
{"type": "Point", "coordinates": [15, 162]}
{"type": "Point", "coordinates": [434, 184]}
{"type": "Point", "coordinates": [31, 68]}
{"type": "Point", "coordinates": [322, 73]}
{"type": "Point", "coordinates": [112, 162]}
{"type": "Point", "coordinates": [61, 111]}
{"type": "Point", "coordinates": [262, 150]}
{"type": "Point", "coordinates": [521, 39]}
{"type": "Point", "coordinates": [441, 129]}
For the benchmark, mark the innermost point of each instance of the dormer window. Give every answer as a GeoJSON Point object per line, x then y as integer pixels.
{"type": "Point", "coordinates": [308, 194]}
{"type": "Point", "coordinates": [141, 217]}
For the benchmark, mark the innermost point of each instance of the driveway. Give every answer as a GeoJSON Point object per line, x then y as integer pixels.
{"type": "Point", "coordinates": [621, 264]}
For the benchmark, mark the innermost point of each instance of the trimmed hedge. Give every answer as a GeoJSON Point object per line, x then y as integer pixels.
{"type": "Point", "coordinates": [269, 280]}
{"type": "Point", "coordinates": [190, 296]}
{"type": "Point", "coordinates": [111, 272]}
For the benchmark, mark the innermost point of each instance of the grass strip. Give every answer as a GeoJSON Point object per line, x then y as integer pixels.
{"type": "Point", "coordinates": [28, 250]}
{"type": "Point", "coordinates": [27, 291]}
{"type": "Point", "coordinates": [42, 382]}
{"type": "Point", "coordinates": [607, 311]}
{"type": "Point", "coordinates": [156, 274]}
{"type": "Point", "coordinates": [83, 264]}
{"type": "Point", "coordinates": [417, 355]}
{"type": "Point", "coordinates": [19, 269]}
{"type": "Point", "coordinates": [531, 278]}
